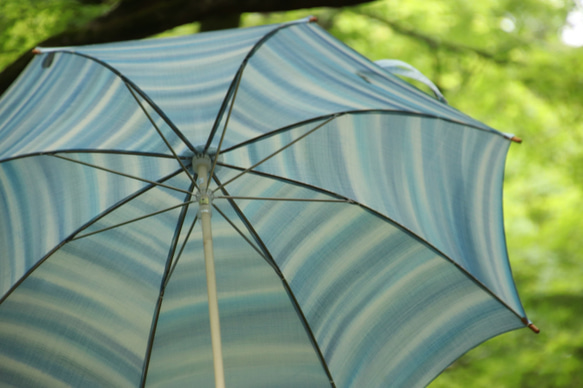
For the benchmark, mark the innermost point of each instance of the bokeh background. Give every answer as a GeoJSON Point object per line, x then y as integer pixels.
{"type": "Point", "coordinates": [517, 66]}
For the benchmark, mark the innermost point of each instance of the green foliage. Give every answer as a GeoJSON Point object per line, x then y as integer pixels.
{"type": "Point", "coordinates": [503, 62]}
{"type": "Point", "coordinates": [24, 23]}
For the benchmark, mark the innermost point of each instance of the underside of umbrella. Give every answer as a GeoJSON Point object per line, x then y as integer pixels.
{"type": "Point", "coordinates": [335, 225]}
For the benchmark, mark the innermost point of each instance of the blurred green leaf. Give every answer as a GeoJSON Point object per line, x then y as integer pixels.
{"type": "Point", "coordinates": [24, 23]}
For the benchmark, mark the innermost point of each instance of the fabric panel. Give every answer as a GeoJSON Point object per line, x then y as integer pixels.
{"type": "Point", "coordinates": [385, 308]}
{"type": "Point", "coordinates": [441, 181]}
{"type": "Point", "coordinates": [46, 199]}
{"type": "Point", "coordinates": [83, 317]}
{"type": "Point", "coordinates": [301, 73]}
{"type": "Point", "coordinates": [187, 77]}
{"type": "Point", "coordinates": [264, 341]}
{"type": "Point", "coordinates": [76, 104]}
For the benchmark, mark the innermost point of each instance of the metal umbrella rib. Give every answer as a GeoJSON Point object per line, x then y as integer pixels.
{"type": "Point", "coordinates": [363, 112]}
{"type": "Point", "coordinates": [132, 87]}
{"type": "Point", "coordinates": [178, 159]}
{"type": "Point", "coordinates": [120, 173]}
{"type": "Point", "coordinates": [180, 205]}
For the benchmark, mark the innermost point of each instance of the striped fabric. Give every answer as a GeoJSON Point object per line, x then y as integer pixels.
{"type": "Point", "coordinates": [357, 223]}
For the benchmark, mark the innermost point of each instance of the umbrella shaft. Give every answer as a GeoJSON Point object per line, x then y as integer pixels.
{"type": "Point", "coordinates": [213, 300]}
{"type": "Point", "coordinates": [211, 281]}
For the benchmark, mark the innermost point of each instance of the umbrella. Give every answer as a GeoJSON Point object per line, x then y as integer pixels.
{"type": "Point", "coordinates": [252, 207]}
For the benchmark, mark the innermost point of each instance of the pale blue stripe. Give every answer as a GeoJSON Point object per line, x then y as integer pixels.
{"type": "Point", "coordinates": [301, 73]}
{"type": "Point", "coordinates": [81, 105]}
{"type": "Point", "coordinates": [440, 180]}
{"type": "Point", "coordinates": [83, 316]}
{"type": "Point", "coordinates": [264, 342]}
{"type": "Point", "coordinates": [45, 199]}
{"type": "Point", "coordinates": [390, 313]}
{"type": "Point", "coordinates": [187, 77]}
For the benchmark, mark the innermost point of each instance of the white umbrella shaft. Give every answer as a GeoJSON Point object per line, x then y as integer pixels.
{"type": "Point", "coordinates": [211, 281]}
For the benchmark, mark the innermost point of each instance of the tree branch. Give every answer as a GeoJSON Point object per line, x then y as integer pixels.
{"type": "Point", "coordinates": [136, 19]}
{"type": "Point", "coordinates": [435, 43]}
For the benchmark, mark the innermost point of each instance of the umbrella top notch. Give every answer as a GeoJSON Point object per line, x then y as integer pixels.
{"type": "Point", "coordinates": [201, 158]}
{"type": "Point", "coordinates": [204, 165]}
{"type": "Point", "coordinates": [211, 156]}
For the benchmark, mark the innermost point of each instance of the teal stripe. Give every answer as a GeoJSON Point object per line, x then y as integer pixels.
{"type": "Point", "coordinates": [389, 312]}
{"type": "Point", "coordinates": [49, 198]}
{"type": "Point", "coordinates": [440, 180]}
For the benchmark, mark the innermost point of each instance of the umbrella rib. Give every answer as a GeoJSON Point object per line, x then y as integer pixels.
{"type": "Point", "coordinates": [358, 112]}
{"type": "Point", "coordinates": [178, 159]}
{"type": "Point", "coordinates": [166, 279]}
{"type": "Point", "coordinates": [80, 229]}
{"type": "Point", "coordinates": [168, 268]}
{"type": "Point", "coordinates": [119, 173]}
{"type": "Point", "coordinates": [232, 86]}
{"type": "Point", "coordinates": [87, 151]}
{"type": "Point", "coordinates": [279, 150]}
{"type": "Point", "coordinates": [290, 181]}
{"type": "Point", "coordinates": [113, 152]}
{"type": "Point", "coordinates": [442, 254]}
{"type": "Point", "coordinates": [281, 130]}
{"type": "Point", "coordinates": [179, 226]}
{"type": "Point", "coordinates": [134, 219]}
{"type": "Point", "coordinates": [269, 259]}
{"type": "Point", "coordinates": [284, 199]}
{"type": "Point", "coordinates": [393, 222]}
{"type": "Point", "coordinates": [181, 250]}
{"type": "Point", "coordinates": [225, 126]}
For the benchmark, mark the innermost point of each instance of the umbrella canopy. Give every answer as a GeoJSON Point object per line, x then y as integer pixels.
{"type": "Point", "coordinates": [357, 228]}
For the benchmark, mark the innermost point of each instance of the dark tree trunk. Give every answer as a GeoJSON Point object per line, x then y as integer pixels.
{"type": "Point", "coordinates": [135, 19]}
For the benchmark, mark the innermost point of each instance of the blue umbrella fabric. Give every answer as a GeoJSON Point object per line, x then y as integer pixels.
{"type": "Point", "coordinates": [356, 221]}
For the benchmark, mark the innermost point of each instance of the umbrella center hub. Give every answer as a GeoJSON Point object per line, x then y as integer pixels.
{"type": "Point", "coordinates": [202, 165]}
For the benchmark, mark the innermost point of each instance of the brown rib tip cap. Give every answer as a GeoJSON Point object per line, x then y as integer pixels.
{"type": "Point", "coordinates": [535, 329]}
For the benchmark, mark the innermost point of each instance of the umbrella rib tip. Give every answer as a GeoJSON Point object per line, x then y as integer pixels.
{"type": "Point", "coordinates": [533, 327]}
{"type": "Point", "coordinates": [516, 139]}
{"type": "Point", "coordinates": [530, 325]}
{"type": "Point", "coordinates": [313, 19]}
